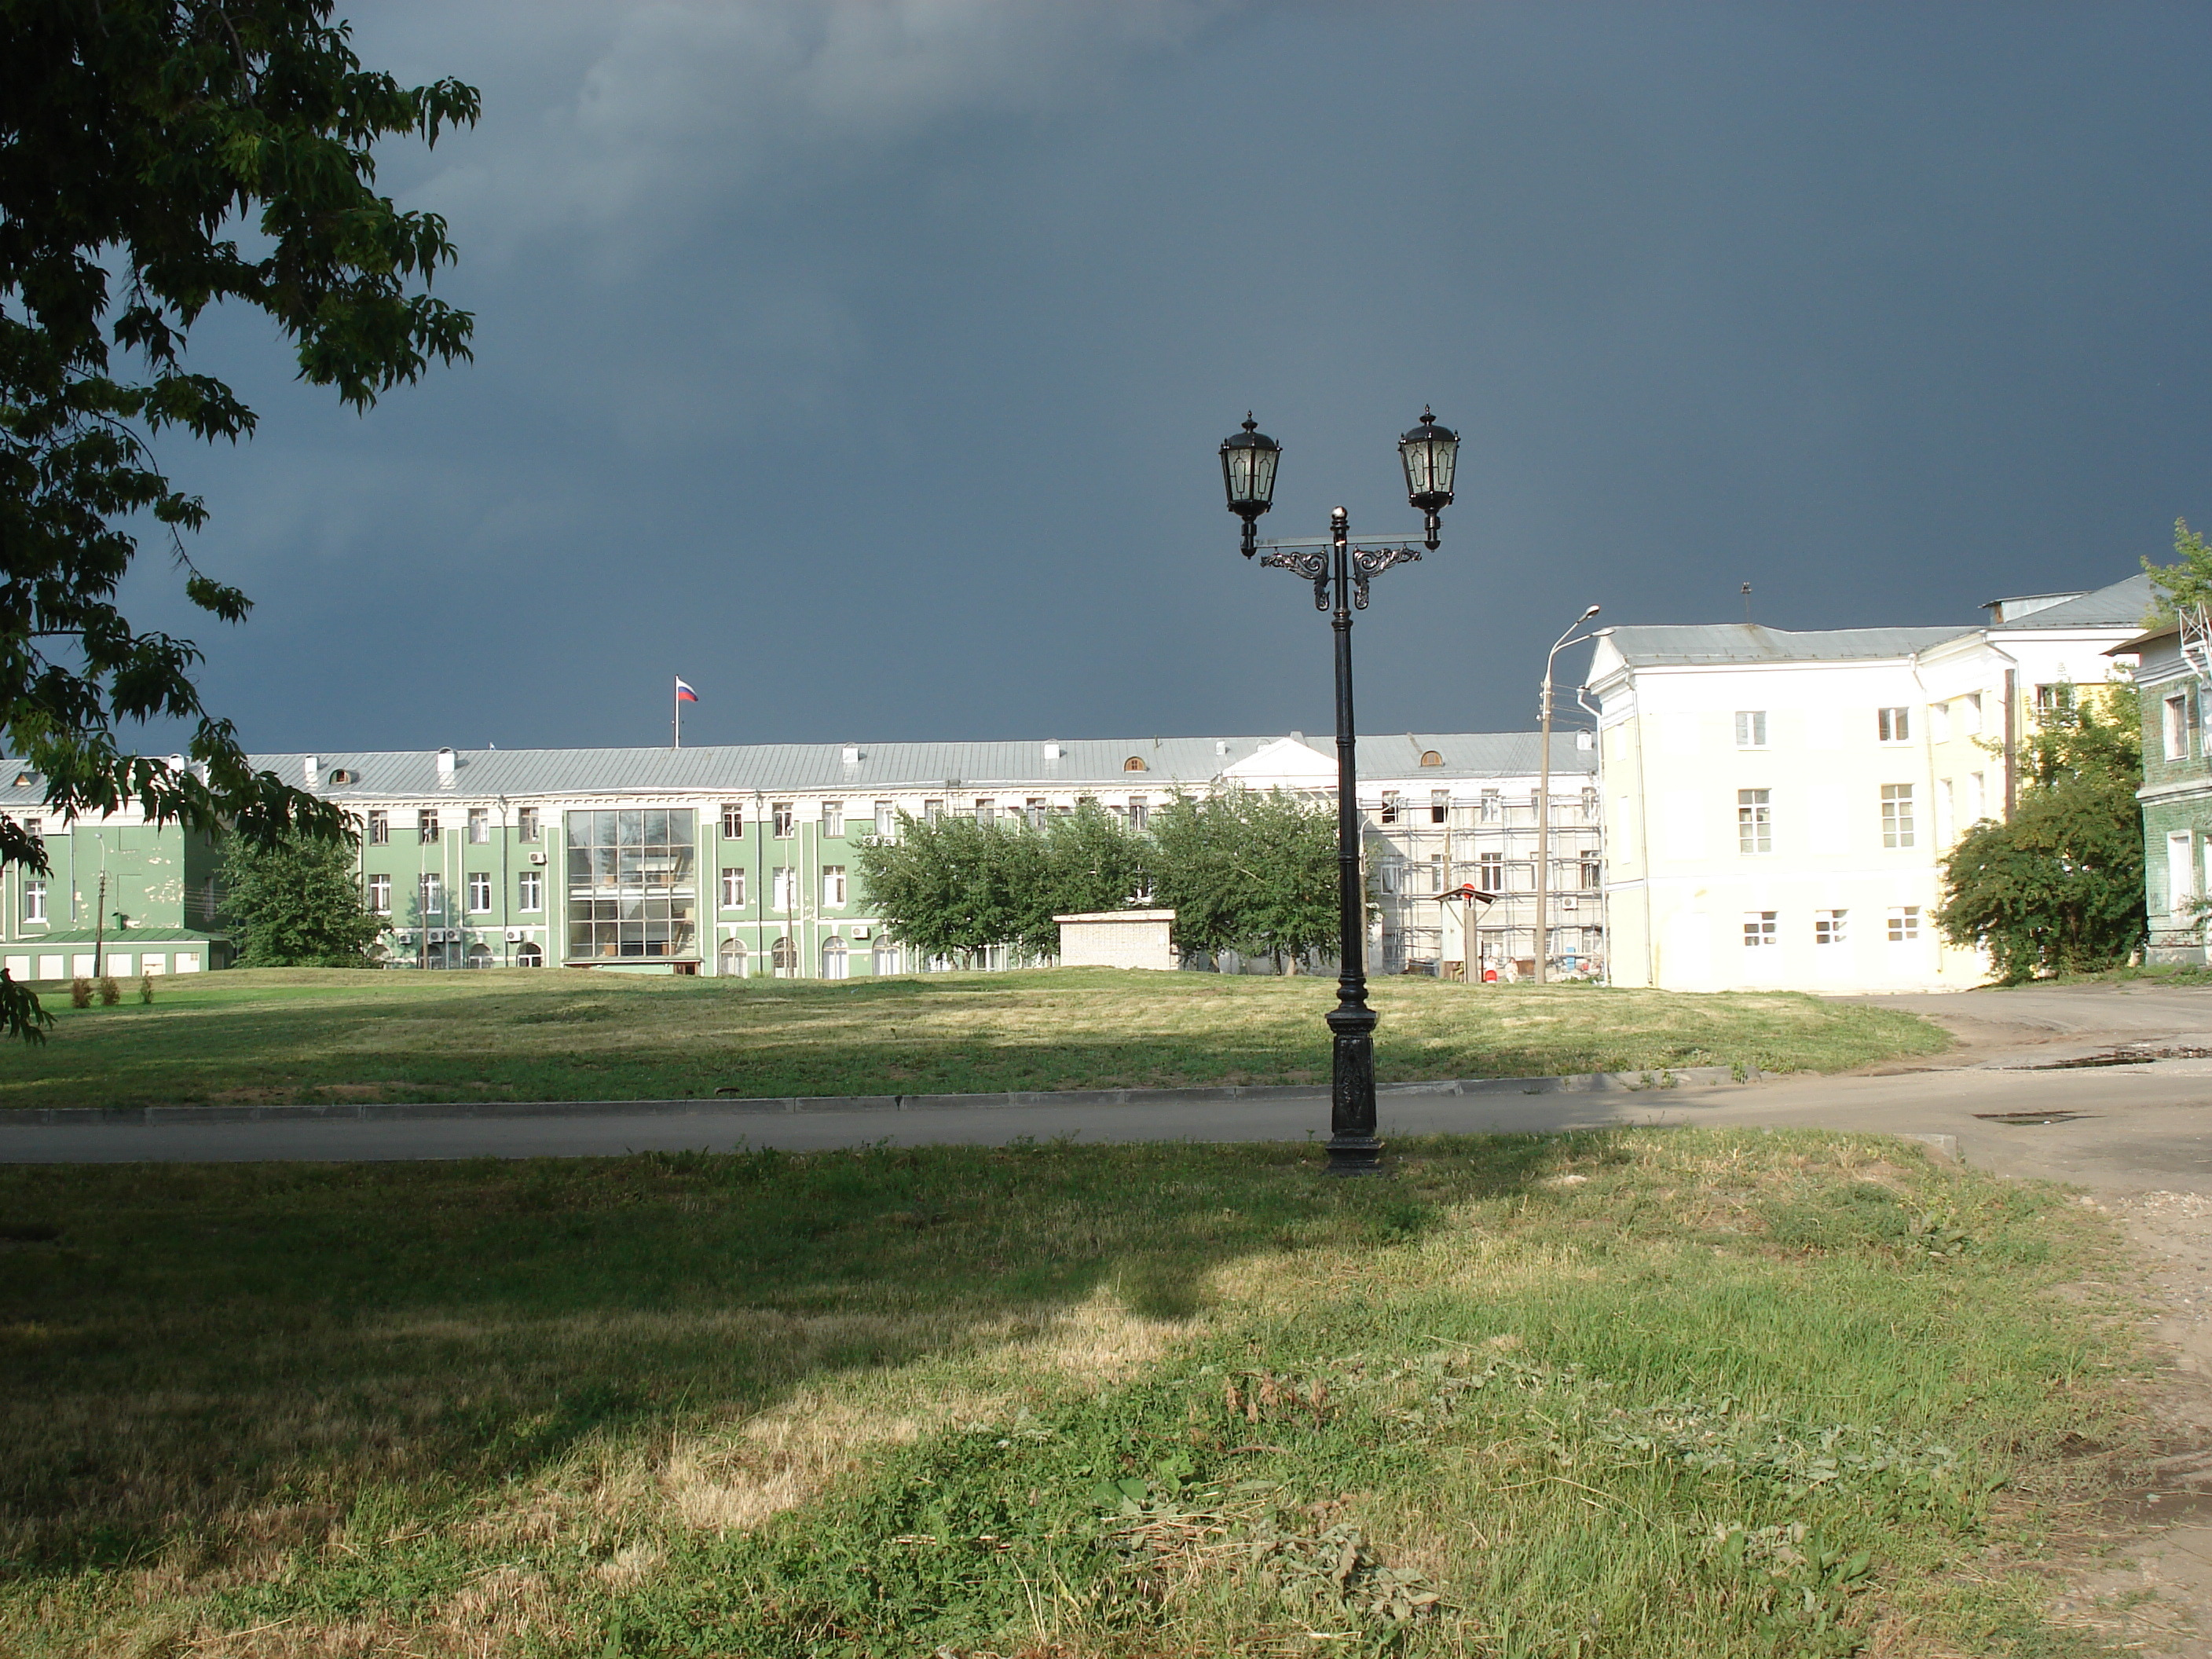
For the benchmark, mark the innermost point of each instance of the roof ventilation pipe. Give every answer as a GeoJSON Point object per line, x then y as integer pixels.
{"type": "Point", "coordinates": [852, 754]}
{"type": "Point", "coordinates": [309, 765]}
{"type": "Point", "coordinates": [446, 764]}
{"type": "Point", "coordinates": [1053, 751]}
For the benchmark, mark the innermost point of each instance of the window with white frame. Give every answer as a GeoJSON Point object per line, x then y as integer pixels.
{"type": "Point", "coordinates": [1589, 806]}
{"type": "Point", "coordinates": [1389, 807]}
{"type": "Point", "coordinates": [1593, 869]}
{"type": "Point", "coordinates": [34, 900]}
{"type": "Point", "coordinates": [479, 891]}
{"type": "Point", "coordinates": [987, 812]}
{"type": "Point", "coordinates": [1903, 923]}
{"type": "Point", "coordinates": [530, 890]}
{"type": "Point", "coordinates": [426, 826]}
{"type": "Point", "coordinates": [886, 820]}
{"type": "Point", "coordinates": [1493, 806]}
{"type": "Point", "coordinates": [34, 827]}
{"type": "Point", "coordinates": [734, 819]}
{"type": "Point", "coordinates": [1439, 806]}
{"type": "Point", "coordinates": [1751, 728]}
{"type": "Point", "coordinates": [733, 889]}
{"type": "Point", "coordinates": [1897, 815]}
{"type": "Point", "coordinates": [2174, 725]}
{"type": "Point", "coordinates": [379, 895]}
{"type": "Point", "coordinates": [932, 810]}
{"type": "Point", "coordinates": [1033, 809]}
{"type": "Point", "coordinates": [1894, 725]}
{"type": "Point", "coordinates": [379, 827]}
{"type": "Point", "coordinates": [1436, 874]}
{"type": "Point", "coordinates": [479, 825]}
{"type": "Point", "coordinates": [525, 823]}
{"type": "Point", "coordinates": [1972, 714]}
{"type": "Point", "coordinates": [1754, 821]}
{"type": "Point", "coordinates": [1141, 812]}
{"type": "Point", "coordinates": [1830, 926]}
{"type": "Point", "coordinates": [2053, 699]}
{"type": "Point", "coordinates": [783, 888]}
{"type": "Point", "coordinates": [1386, 875]}
{"type": "Point", "coordinates": [432, 895]}
{"type": "Point", "coordinates": [833, 818]}
{"type": "Point", "coordinates": [1760, 930]}
{"type": "Point", "coordinates": [784, 819]}
{"type": "Point", "coordinates": [833, 885]}
{"type": "Point", "coordinates": [1490, 872]}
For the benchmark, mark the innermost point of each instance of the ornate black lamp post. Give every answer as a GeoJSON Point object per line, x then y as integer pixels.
{"type": "Point", "coordinates": [1339, 574]}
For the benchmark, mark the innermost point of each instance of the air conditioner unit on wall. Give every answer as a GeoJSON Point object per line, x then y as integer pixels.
{"type": "Point", "coordinates": [537, 857]}
{"type": "Point", "coordinates": [514, 936]}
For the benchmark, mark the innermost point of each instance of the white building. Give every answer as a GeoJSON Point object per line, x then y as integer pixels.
{"type": "Point", "coordinates": [1780, 803]}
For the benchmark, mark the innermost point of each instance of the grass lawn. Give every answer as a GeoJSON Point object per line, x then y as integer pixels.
{"type": "Point", "coordinates": [271, 1035]}
{"type": "Point", "coordinates": [1678, 1392]}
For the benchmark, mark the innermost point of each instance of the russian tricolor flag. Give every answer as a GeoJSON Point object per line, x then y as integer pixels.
{"type": "Point", "coordinates": [684, 693]}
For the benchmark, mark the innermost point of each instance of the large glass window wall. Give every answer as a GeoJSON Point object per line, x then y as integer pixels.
{"type": "Point", "coordinates": [632, 887]}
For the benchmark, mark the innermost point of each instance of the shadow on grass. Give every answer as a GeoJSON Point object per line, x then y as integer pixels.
{"type": "Point", "coordinates": [223, 1352]}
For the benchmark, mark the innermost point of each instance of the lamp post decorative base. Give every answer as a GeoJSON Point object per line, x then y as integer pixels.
{"type": "Point", "coordinates": [1353, 1149]}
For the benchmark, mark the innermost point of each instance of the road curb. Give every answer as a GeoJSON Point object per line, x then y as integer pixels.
{"type": "Point", "coordinates": [401, 1111]}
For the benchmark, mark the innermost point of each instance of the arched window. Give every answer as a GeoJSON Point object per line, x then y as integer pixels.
{"type": "Point", "coordinates": [1430, 757]}
{"type": "Point", "coordinates": [1135, 763]}
{"type": "Point", "coordinates": [887, 957]}
{"type": "Point", "coordinates": [835, 959]}
{"type": "Point", "coordinates": [529, 956]}
{"type": "Point", "coordinates": [734, 962]}
{"type": "Point", "coordinates": [784, 958]}
{"type": "Point", "coordinates": [480, 956]}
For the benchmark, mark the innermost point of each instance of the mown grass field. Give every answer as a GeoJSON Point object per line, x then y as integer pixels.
{"type": "Point", "coordinates": [1644, 1393]}
{"type": "Point", "coordinates": [283, 1035]}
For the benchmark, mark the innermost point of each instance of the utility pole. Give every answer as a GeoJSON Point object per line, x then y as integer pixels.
{"type": "Point", "coordinates": [99, 927]}
{"type": "Point", "coordinates": [1544, 805]}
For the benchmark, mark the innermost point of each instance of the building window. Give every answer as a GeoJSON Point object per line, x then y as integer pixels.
{"type": "Point", "coordinates": [1754, 821]}
{"type": "Point", "coordinates": [1141, 812]}
{"type": "Point", "coordinates": [734, 819]}
{"type": "Point", "coordinates": [1939, 722]}
{"type": "Point", "coordinates": [733, 890]}
{"type": "Point", "coordinates": [1897, 815]}
{"type": "Point", "coordinates": [1135, 763]}
{"type": "Point", "coordinates": [380, 828]}
{"type": "Point", "coordinates": [1431, 758]}
{"type": "Point", "coordinates": [836, 960]}
{"type": "Point", "coordinates": [632, 883]}
{"type": "Point", "coordinates": [426, 827]}
{"type": "Point", "coordinates": [34, 827]}
{"type": "Point", "coordinates": [525, 823]}
{"type": "Point", "coordinates": [987, 812]}
{"type": "Point", "coordinates": [379, 895]}
{"type": "Point", "coordinates": [1751, 728]}
{"type": "Point", "coordinates": [1389, 807]}
{"type": "Point", "coordinates": [1758, 929]}
{"type": "Point", "coordinates": [783, 817]}
{"type": "Point", "coordinates": [783, 888]}
{"type": "Point", "coordinates": [1492, 806]}
{"type": "Point", "coordinates": [734, 963]}
{"type": "Point", "coordinates": [1386, 875]}
{"type": "Point", "coordinates": [886, 820]}
{"type": "Point", "coordinates": [833, 885]}
{"type": "Point", "coordinates": [1033, 810]}
{"type": "Point", "coordinates": [2176, 727]}
{"type": "Point", "coordinates": [1436, 874]}
{"type": "Point", "coordinates": [432, 896]}
{"type": "Point", "coordinates": [1439, 806]}
{"type": "Point", "coordinates": [479, 891]}
{"type": "Point", "coordinates": [479, 825]}
{"type": "Point", "coordinates": [783, 958]}
{"type": "Point", "coordinates": [530, 890]}
{"type": "Point", "coordinates": [527, 955]}
{"type": "Point", "coordinates": [34, 900]}
{"type": "Point", "coordinates": [833, 818]}
{"type": "Point", "coordinates": [2053, 699]}
{"type": "Point", "coordinates": [1491, 872]}
{"type": "Point", "coordinates": [1904, 924]}
{"type": "Point", "coordinates": [932, 810]}
{"type": "Point", "coordinates": [1593, 870]}
{"type": "Point", "coordinates": [1894, 725]}
{"type": "Point", "coordinates": [1828, 927]}
{"type": "Point", "coordinates": [1589, 806]}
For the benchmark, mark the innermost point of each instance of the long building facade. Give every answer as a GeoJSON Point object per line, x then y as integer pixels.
{"type": "Point", "coordinates": [741, 860]}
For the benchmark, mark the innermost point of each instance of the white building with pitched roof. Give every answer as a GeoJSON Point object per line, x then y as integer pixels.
{"type": "Point", "coordinates": [1779, 803]}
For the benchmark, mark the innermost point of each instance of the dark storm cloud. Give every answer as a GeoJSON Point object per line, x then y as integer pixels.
{"type": "Point", "coordinates": [864, 362]}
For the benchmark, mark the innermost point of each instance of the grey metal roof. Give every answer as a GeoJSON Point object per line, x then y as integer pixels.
{"type": "Point", "coordinates": [787, 769]}
{"type": "Point", "coordinates": [1698, 643]}
{"type": "Point", "coordinates": [2123, 605]}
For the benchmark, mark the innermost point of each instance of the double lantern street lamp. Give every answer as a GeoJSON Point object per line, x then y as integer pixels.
{"type": "Point", "coordinates": [1339, 574]}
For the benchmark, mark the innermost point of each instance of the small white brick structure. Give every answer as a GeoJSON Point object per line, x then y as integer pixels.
{"type": "Point", "coordinates": [1117, 939]}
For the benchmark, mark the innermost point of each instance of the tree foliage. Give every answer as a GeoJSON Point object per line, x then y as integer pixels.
{"type": "Point", "coordinates": [1252, 873]}
{"type": "Point", "coordinates": [140, 143]}
{"type": "Point", "coordinates": [2059, 887]}
{"type": "Point", "coordinates": [2187, 581]}
{"type": "Point", "coordinates": [296, 903]}
{"type": "Point", "coordinates": [956, 887]}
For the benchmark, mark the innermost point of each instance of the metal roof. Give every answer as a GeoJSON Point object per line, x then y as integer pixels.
{"type": "Point", "coordinates": [1090, 763]}
{"type": "Point", "coordinates": [2123, 605]}
{"type": "Point", "coordinates": [1700, 643]}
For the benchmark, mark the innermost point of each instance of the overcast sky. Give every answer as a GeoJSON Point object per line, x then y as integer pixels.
{"type": "Point", "coordinates": [865, 364]}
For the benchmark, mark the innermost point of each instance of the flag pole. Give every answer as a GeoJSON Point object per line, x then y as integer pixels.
{"type": "Point", "coordinates": [675, 703]}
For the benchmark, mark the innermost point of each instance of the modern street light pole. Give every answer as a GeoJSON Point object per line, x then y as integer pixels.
{"type": "Point", "coordinates": [1340, 572]}
{"type": "Point", "coordinates": [1544, 808]}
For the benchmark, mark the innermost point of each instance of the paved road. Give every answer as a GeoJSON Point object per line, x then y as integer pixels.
{"type": "Point", "coordinates": [2138, 1127]}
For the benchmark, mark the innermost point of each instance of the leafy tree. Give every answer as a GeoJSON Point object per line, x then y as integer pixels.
{"type": "Point", "coordinates": [2187, 581]}
{"type": "Point", "coordinates": [138, 138]}
{"type": "Point", "coordinates": [1247, 871]}
{"type": "Point", "coordinates": [297, 904]}
{"type": "Point", "coordinates": [2059, 887]}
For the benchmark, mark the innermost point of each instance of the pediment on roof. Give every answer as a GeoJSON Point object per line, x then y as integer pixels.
{"type": "Point", "coordinates": [1286, 760]}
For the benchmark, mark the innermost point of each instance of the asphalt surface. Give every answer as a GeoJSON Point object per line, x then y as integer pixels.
{"type": "Point", "coordinates": [2144, 1127]}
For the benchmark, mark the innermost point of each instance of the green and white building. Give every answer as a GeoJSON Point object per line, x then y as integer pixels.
{"type": "Point", "coordinates": [2172, 674]}
{"type": "Point", "coordinates": [741, 860]}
